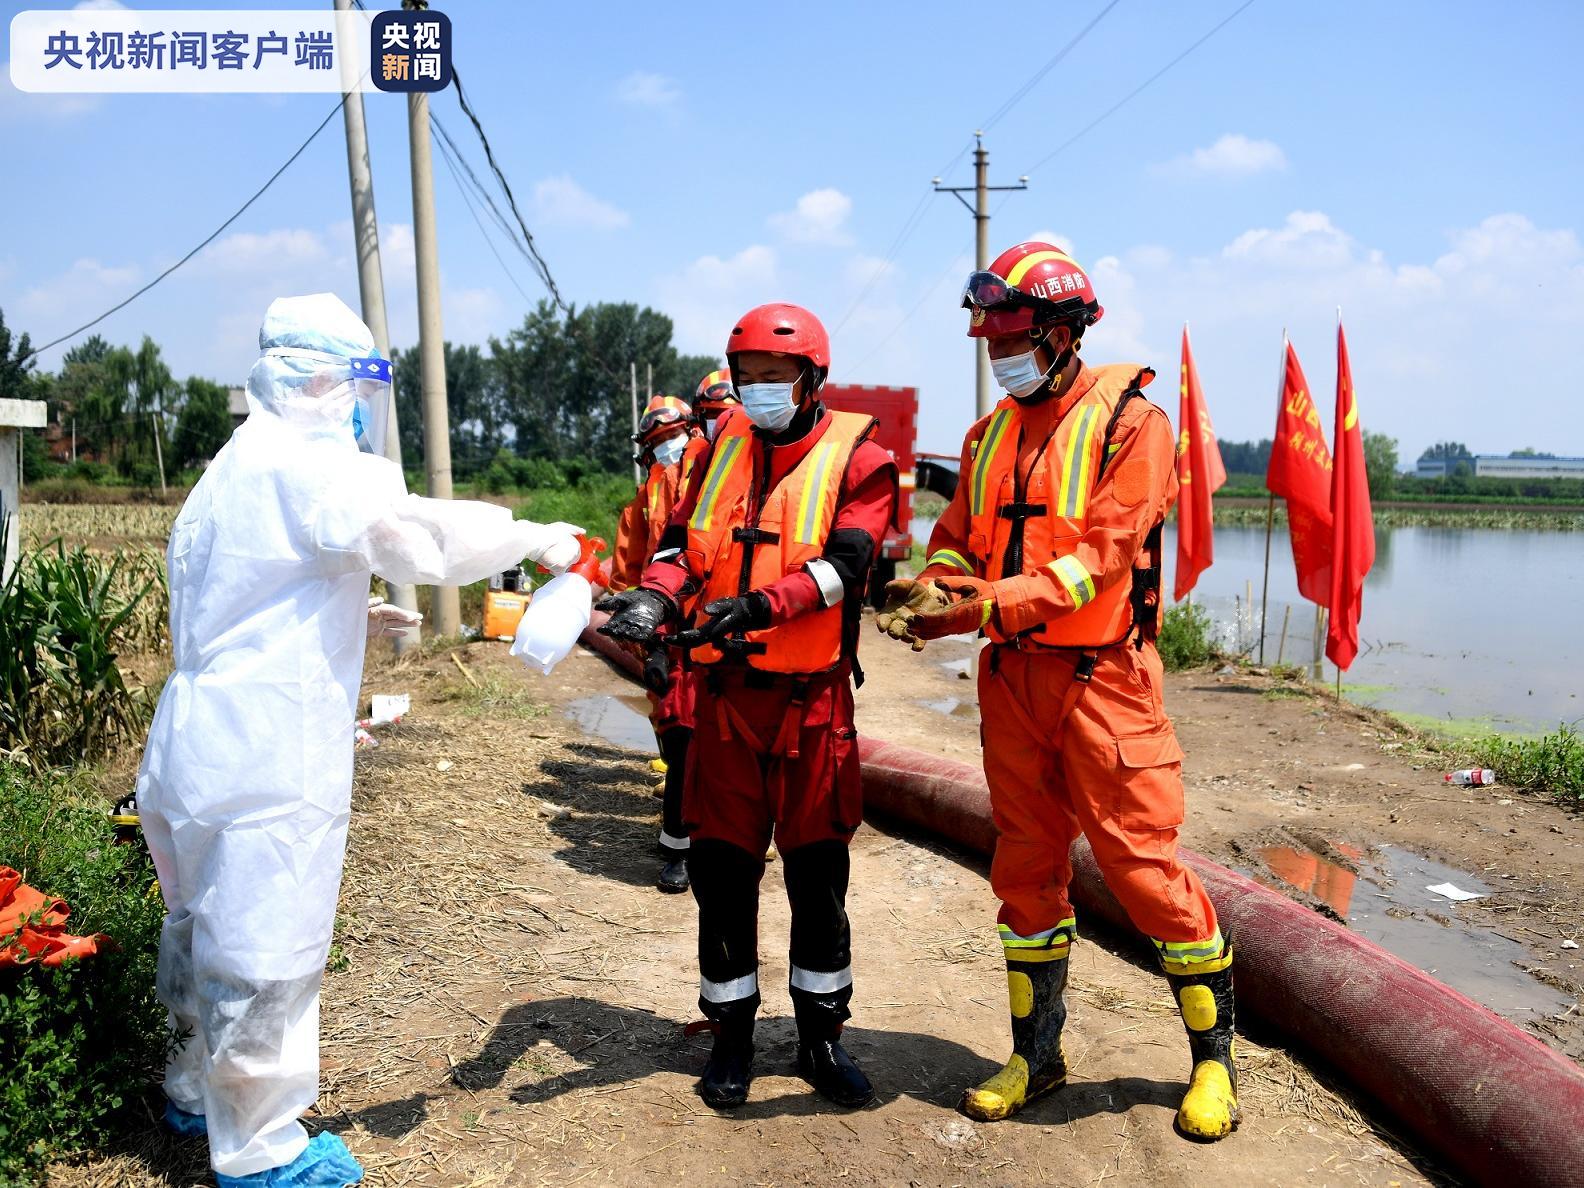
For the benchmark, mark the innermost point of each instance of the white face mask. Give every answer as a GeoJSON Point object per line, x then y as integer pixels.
{"type": "Point", "coordinates": [769, 406]}
{"type": "Point", "coordinates": [1019, 375]}
{"type": "Point", "coordinates": [670, 450]}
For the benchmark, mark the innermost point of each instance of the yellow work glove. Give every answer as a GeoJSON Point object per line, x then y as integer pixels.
{"type": "Point", "coordinates": [905, 600]}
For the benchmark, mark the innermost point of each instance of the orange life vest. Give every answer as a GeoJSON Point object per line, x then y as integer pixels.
{"type": "Point", "coordinates": [739, 548]}
{"type": "Point", "coordinates": [1051, 504]}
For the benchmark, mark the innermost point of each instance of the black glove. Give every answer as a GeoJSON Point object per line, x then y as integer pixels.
{"type": "Point", "coordinates": [750, 612]}
{"type": "Point", "coordinates": [635, 615]}
{"type": "Point", "coordinates": [657, 668]}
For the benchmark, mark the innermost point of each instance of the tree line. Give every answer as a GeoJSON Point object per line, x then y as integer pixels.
{"type": "Point", "coordinates": [556, 388]}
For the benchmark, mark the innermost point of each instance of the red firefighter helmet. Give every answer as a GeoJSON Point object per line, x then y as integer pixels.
{"type": "Point", "coordinates": [1032, 284]}
{"type": "Point", "coordinates": [784, 329]}
{"type": "Point", "coordinates": [662, 417]}
{"type": "Point", "coordinates": [715, 393]}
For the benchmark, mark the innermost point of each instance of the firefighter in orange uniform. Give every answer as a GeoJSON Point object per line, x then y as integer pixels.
{"type": "Point", "coordinates": [775, 535]}
{"type": "Point", "coordinates": [1051, 547]}
{"type": "Point", "coordinates": [666, 434]}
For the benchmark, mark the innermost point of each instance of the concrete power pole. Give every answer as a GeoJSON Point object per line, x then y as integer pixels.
{"type": "Point", "coordinates": [445, 606]}
{"type": "Point", "coordinates": [981, 213]}
{"type": "Point", "coordinates": [371, 279]}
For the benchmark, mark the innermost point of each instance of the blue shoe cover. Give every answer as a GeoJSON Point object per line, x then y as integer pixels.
{"type": "Point", "coordinates": [324, 1163]}
{"type": "Point", "coordinates": [182, 1124]}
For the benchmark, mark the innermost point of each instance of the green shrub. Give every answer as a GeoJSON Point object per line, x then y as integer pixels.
{"type": "Point", "coordinates": [79, 1044]}
{"type": "Point", "coordinates": [1552, 763]}
{"type": "Point", "coordinates": [64, 616]}
{"type": "Point", "coordinates": [1186, 635]}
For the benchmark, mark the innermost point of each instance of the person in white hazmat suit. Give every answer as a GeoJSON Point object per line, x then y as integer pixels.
{"type": "Point", "coordinates": [246, 783]}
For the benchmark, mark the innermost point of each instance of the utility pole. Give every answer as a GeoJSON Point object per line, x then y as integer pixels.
{"type": "Point", "coordinates": [445, 604]}
{"type": "Point", "coordinates": [159, 452]}
{"type": "Point", "coordinates": [637, 466]}
{"type": "Point", "coordinates": [371, 278]}
{"type": "Point", "coordinates": [981, 213]}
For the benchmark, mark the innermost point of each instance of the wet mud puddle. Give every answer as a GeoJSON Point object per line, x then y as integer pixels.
{"type": "Point", "coordinates": [621, 721]}
{"type": "Point", "coordinates": [1387, 898]}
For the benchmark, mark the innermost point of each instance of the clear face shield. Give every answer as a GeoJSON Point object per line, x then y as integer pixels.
{"type": "Point", "coordinates": [354, 393]}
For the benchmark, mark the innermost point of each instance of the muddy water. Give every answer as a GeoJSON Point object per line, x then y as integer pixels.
{"type": "Point", "coordinates": [621, 721]}
{"type": "Point", "coordinates": [1459, 624]}
{"type": "Point", "coordinates": [1388, 899]}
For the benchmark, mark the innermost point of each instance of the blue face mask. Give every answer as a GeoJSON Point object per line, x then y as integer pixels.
{"type": "Point", "coordinates": [770, 407]}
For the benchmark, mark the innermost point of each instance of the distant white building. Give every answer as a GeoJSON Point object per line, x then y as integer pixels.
{"type": "Point", "coordinates": [1500, 466]}
{"type": "Point", "coordinates": [236, 400]}
{"type": "Point", "coordinates": [14, 415]}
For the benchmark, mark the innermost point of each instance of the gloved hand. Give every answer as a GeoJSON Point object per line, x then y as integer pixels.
{"type": "Point", "coordinates": [657, 668]}
{"type": "Point", "coordinates": [972, 602]}
{"type": "Point", "coordinates": [635, 615]}
{"type": "Point", "coordinates": [390, 621]}
{"type": "Point", "coordinates": [556, 546]}
{"type": "Point", "coordinates": [750, 612]}
{"type": "Point", "coordinates": [905, 600]}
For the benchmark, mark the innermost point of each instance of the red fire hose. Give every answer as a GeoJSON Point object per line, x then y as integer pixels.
{"type": "Point", "coordinates": [1486, 1097]}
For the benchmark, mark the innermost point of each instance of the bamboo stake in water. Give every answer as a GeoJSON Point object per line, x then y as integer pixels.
{"type": "Point", "coordinates": [1319, 634]}
{"type": "Point", "coordinates": [1248, 606]}
{"type": "Point", "coordinates": [1281, 647]}
{"type": "Point", "coordinates": [1270, 520]}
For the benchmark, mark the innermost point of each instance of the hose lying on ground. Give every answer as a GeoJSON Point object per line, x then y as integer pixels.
{"type": "Point", "coordinates": [1487, 1098]}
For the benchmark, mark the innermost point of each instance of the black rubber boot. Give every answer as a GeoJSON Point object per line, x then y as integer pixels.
{"type": "Point", "coordinates": [673, 878]}
{"type": "Point", "coordinates": [724, 1085]}
{"type": "Point", "coordinates": [828, 1066]}
{"type": "Point", "coordinates": [1209, 1109]}
{"type": "Point", "coordinates": [1037, 1066]}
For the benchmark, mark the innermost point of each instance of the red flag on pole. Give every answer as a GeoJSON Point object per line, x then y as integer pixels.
{"type": "Point", "coordinates": [1352, 525]}
{"type": "Point", "coordinates": [1199, 475]}
{"type": "Point", "coordinates": [1300, 473]}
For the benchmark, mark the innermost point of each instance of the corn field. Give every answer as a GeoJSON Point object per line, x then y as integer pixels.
{"type": "Point", "coordinates": [97, 525]}
{"type": "Point", "coordinates": [66, 615]}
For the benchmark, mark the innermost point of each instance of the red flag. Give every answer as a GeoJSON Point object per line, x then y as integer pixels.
{"type": "Point", "coordinates": [1300, 473]}
{"type": "Point", "coordinates": [1199, 475]}
{"type": "Point", "coordinates": [1352, 525]}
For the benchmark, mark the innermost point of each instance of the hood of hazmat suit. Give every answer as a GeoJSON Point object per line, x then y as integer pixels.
{"type": "Point", "coordinates": [245, 788]}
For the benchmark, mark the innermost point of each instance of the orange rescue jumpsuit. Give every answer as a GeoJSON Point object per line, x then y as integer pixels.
{"type": "Point", "coordinates": [1112, 769]}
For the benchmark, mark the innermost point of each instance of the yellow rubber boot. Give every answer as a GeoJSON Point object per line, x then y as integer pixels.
{"type": "Point", "coordinates": [1209, 1110]}
{"type": "Point", "coordinates": [1036, 979]}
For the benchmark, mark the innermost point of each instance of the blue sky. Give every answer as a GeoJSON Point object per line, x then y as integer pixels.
{"type": "Point", "coordinates": [1420, 164]}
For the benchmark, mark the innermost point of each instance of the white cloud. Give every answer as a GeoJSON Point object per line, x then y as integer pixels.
{"type": "Point", "coordinates": [703, 298]}
{"type": "Point", "coordinates": [819, 217]}
{"type": "Point", "coordinates": [1416, 330]}
{"type": "Point", "coordinates": [1054, 238]}
{"type": "Point", "coordinates": [1234, 155]}
{"type": "Point", "coordinates": [560, 201]}
{"type": "Point", "coordinates": [98, 6]}
{"type": "Point", "coordinates": [643, 88]}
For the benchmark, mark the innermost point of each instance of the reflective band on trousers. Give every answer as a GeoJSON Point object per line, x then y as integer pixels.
{"type": "Point", "coordinates": [1065, 932]}
{"type": "Point", "coordinates": [1189, 952]}
{"type": "Point", "coordinates": [674, 843]}
{"type": "Point", "coordinates": [812, 982]}
{"type": "Point", "coordinates": [733, 991]}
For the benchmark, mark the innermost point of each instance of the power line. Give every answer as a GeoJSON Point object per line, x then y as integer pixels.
{"type": "Point", "coordinates": [874, 350]}
{"type": "Point", "coordinates": [213, 235]}
{"type": "Point", "coordinates": [1120, 103]}
{"type": "Point", "coordinates": [538, 260]}
{"type": "Point", "coordinates": [1018, 95]}
{"type": "Point", "coordinates": [445, 154]}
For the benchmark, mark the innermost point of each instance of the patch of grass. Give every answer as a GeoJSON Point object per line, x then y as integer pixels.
{"type": "Point", "coordinates": [337, 961]}
{"type": "Point", "coordinates": [1552, 763]}
{"type": "Point", "coordinates": [1448, 729]}
{"type": "Point", "coordinates": [1367, 690]}
{"type": "Point", "coordinates": [81, 1043]}
{"type": "Point", "coordinates": [1285, 693]}
{"type": "Point", "coordinates": [1185, 639]}
{"type": "Point", "coordinates": [490, 694]}
{"type": "Point", "coordinates": [1289, 672]}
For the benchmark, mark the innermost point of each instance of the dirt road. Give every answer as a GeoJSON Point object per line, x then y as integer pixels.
{"type": "Point", "coordinates": [507, 993]}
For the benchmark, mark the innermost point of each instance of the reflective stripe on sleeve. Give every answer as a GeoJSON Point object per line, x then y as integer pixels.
{"type": "Point", "coordinates": [949, 557]}
{"type": "Point", "coordinates": [827, 579]}
{"type": "Point", "coordinates": [1075, 579]}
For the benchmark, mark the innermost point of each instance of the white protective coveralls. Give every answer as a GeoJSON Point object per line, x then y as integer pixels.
{"type": "Point", "coordinates": [246, 783]}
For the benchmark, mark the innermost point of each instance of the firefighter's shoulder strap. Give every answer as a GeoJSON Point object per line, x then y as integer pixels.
{"type": "Point", "coordinates": [1146, 593]}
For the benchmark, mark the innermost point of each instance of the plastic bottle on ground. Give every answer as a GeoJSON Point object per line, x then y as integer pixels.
{"type": "Point", "coordinates": [1475, 777]}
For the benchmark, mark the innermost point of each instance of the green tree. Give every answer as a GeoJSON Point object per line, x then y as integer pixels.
{"type": "Point", "coordinates": [565, 382]}
{"type": "Point", "coordinates": [473, 405]}
{"type": "Point", "coordinates": [202, 426]}
{"type": "Point", "coordinates": [15, 364]}
{"type": "Point", "coordinates": [1380, 464]}
{"type": "Point", "coordinates": [1446, 451]}
{"type": "Point", "coordinates": [1246, 457]}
